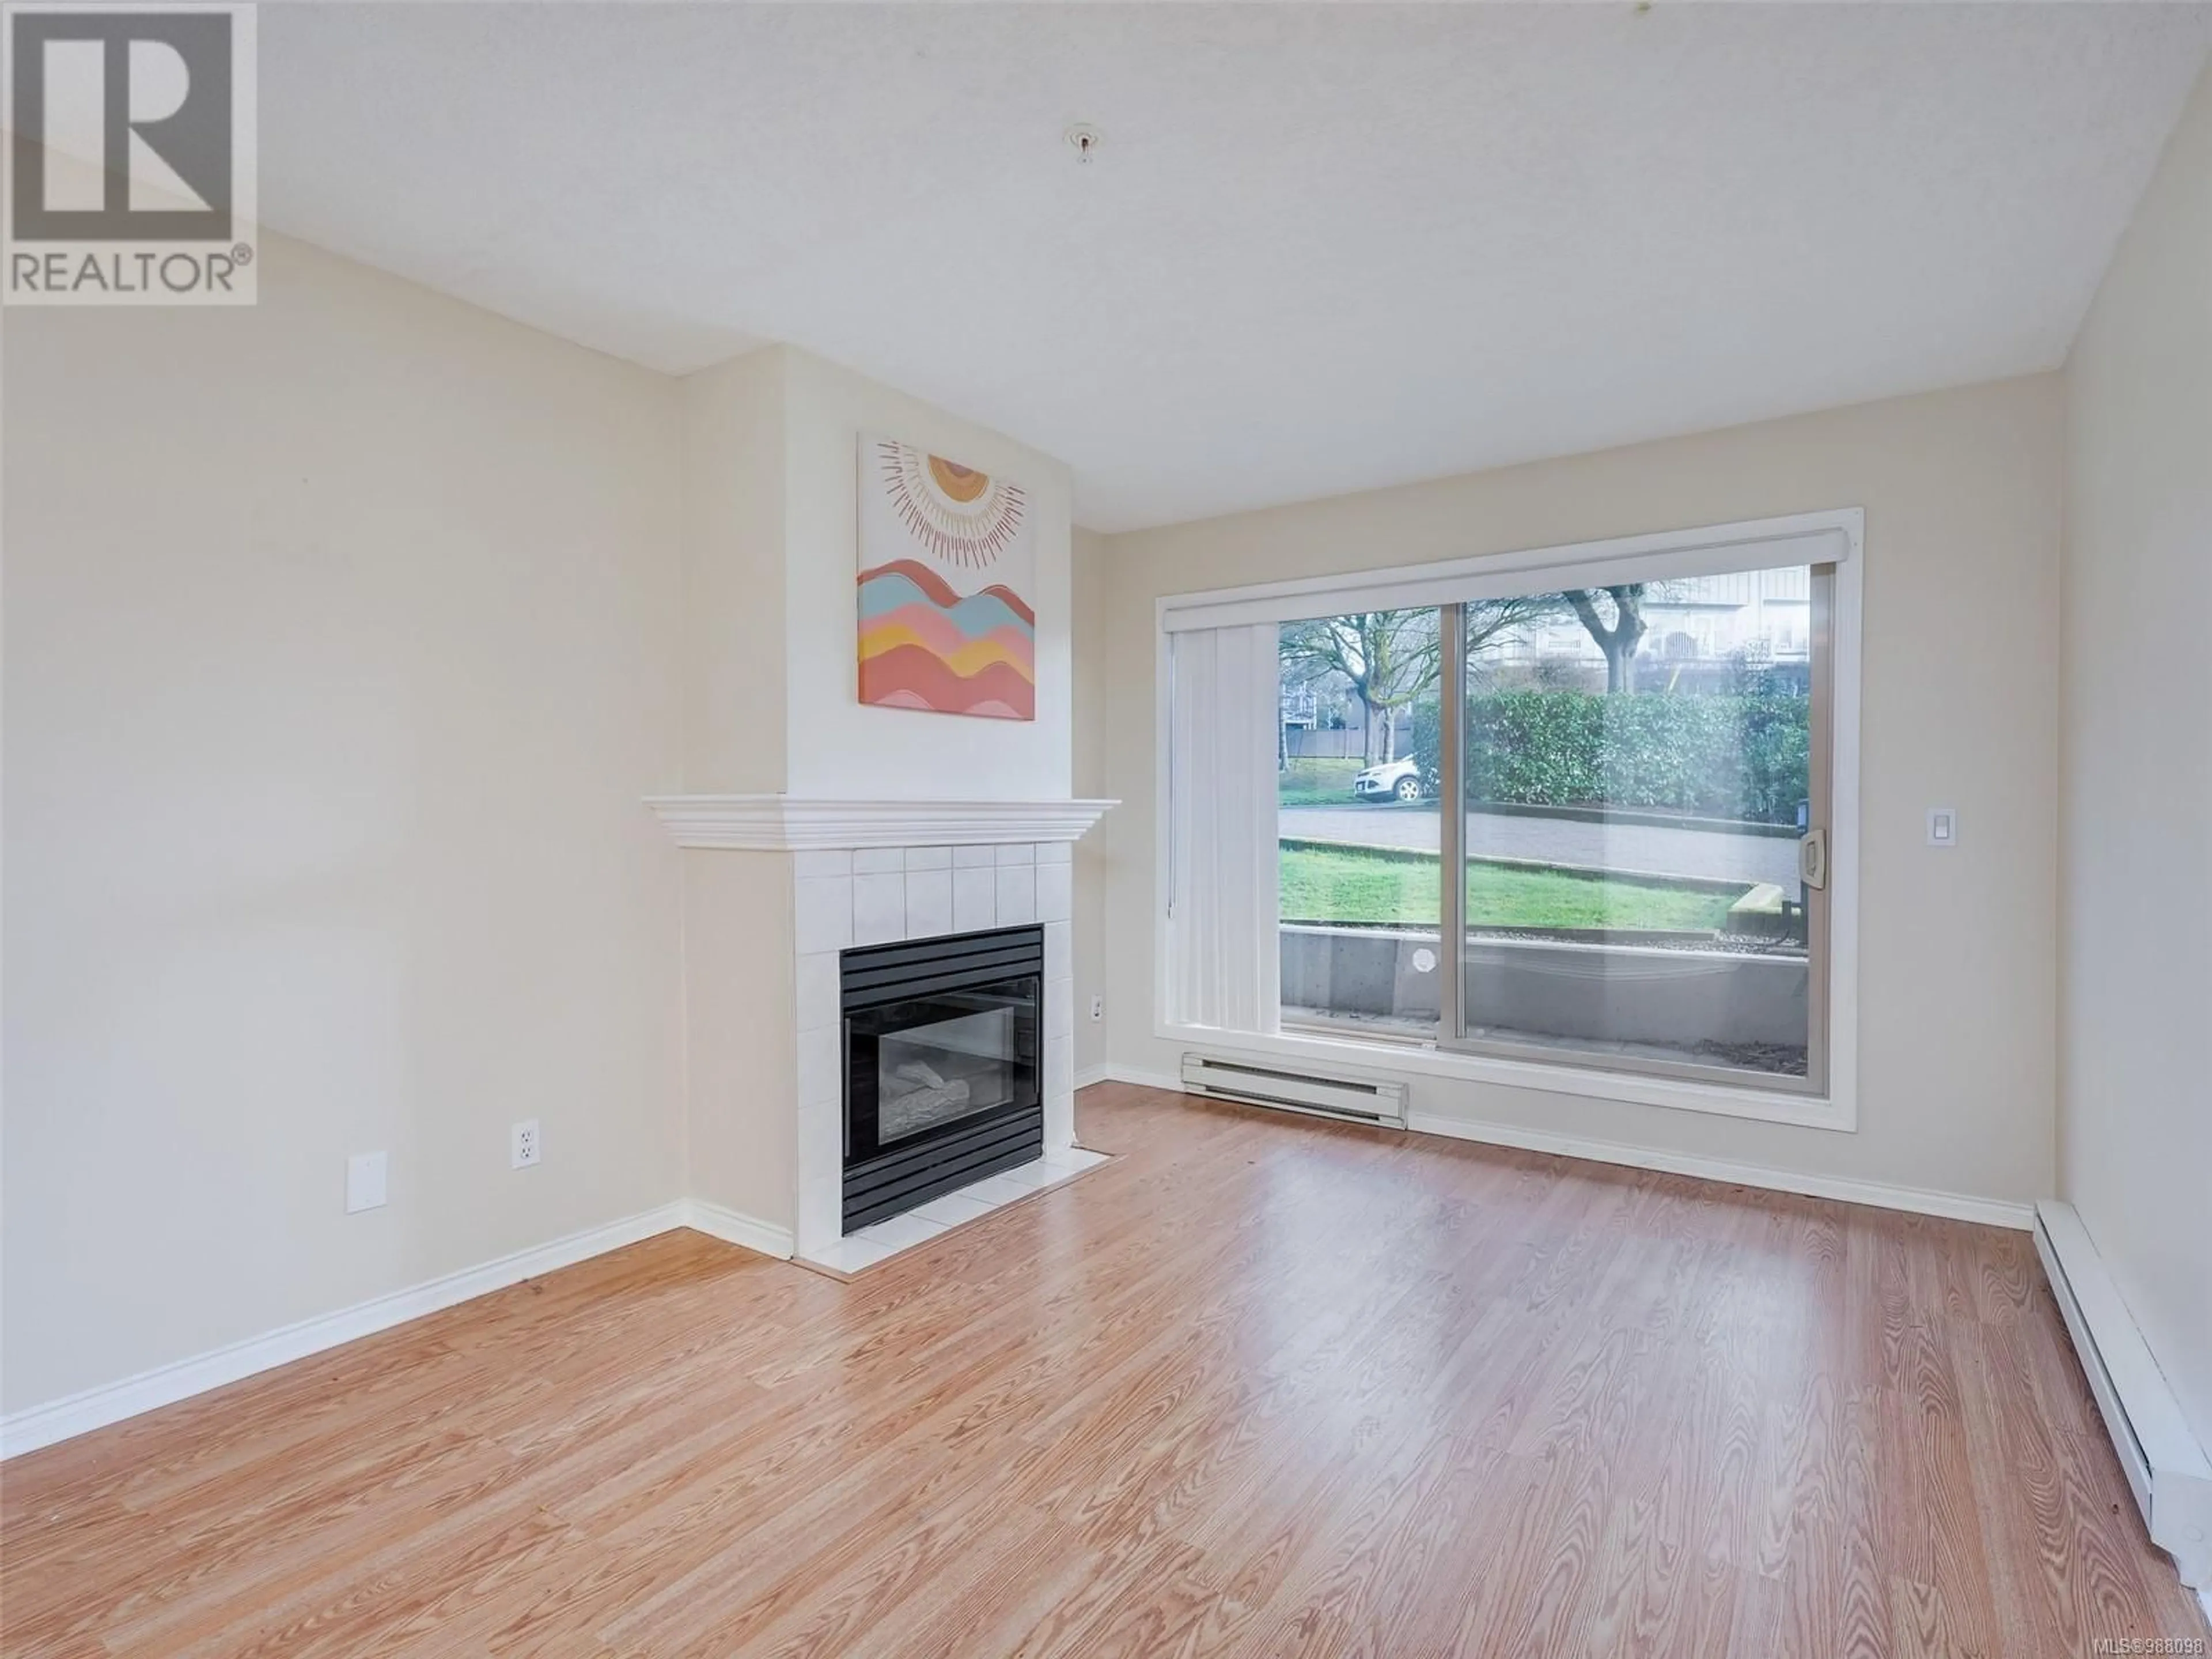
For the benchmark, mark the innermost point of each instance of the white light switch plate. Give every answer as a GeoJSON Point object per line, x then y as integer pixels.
{"type": "Point", "coordinates": [1943, 826]}
{"type": "Point", "coordinates": [365, 1173]}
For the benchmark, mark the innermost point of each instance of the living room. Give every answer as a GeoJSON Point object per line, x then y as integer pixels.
{"type": "Point", "coordinates": [1115, 829]}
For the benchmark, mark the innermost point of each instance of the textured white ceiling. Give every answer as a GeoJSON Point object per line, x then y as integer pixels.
{"type": "Point", "coordinates": [1324, 248]}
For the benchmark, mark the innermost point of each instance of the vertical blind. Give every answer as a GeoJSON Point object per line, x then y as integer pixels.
{"type": "Point", "coordinates": [1223, 961]}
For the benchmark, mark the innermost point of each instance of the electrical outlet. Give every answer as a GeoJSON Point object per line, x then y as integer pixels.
{"type": "Point", "coordinates": [1097, 1008]}
{"type": "Point", "coordinates": [523, 1146]}
{"type": "Point", "coordinates": [365, 1173]}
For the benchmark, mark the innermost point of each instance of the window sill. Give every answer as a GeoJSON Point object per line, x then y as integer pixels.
{"type": "Point", "coordinates": [1836, 1111]}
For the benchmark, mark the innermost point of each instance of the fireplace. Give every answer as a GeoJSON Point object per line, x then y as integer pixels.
{"type": "Point", "coordinates": [942, 1039]}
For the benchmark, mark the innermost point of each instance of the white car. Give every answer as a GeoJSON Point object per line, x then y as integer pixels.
{"type": "Point", "coordinates": [1397, 779]}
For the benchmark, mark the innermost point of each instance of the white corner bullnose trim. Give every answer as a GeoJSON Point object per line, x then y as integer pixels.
{"type": "Point", "coordinates": [785, 823]}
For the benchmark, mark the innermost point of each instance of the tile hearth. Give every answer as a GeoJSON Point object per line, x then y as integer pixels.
{"type": "Point", "coordinates": [886, 1239]}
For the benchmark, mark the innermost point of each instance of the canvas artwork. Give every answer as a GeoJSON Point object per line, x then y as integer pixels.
{"type": "Point", "coordinates": [948, 569]}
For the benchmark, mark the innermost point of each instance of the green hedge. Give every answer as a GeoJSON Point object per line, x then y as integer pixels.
{"type": "Point", "coordinates": [1710, 755]}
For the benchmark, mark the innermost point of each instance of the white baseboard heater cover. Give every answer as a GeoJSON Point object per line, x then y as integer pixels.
{"type": "Point", "coordinates": [2164, 1466]}
{"type": "Point", "coordinates": [1253, 1084]}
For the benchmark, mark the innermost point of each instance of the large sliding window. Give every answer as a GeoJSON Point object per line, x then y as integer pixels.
{"type": "Point", "coordinates": [1640, 770]}
{"type": "Point", "coordinates": [1572, 812]}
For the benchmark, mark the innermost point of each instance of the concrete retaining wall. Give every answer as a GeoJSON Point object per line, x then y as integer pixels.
{"type": "Point", "coordinates": [1593, 993]}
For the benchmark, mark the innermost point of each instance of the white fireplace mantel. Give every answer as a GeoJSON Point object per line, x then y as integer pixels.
{"type": "Point", "coordinates": [784, 824]}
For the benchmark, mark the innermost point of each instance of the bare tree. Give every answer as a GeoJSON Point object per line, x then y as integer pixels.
{"type": "Point", "coordinates": [1497, 621]}
{"type": "Point", "coordinates": [1617, 639]}
{"type": "Point", "coordinates": [1391, 659]}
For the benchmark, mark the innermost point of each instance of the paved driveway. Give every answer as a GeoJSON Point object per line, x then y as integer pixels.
{"type": "Point", "coordinates": [1654, 847]}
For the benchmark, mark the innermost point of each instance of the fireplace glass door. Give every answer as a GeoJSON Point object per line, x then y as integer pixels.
{"type": "Point", "coordinates": [958, 1056]}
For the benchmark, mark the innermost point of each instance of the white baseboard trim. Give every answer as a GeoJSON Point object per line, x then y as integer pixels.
{"type": "Point", "coordinates": [735, 1227]}
{"type": "Point", "coordinates": [95, 1408]}
{"type": "Point", "coordinates": [1955, 1206]}
{"type": "Point", "coordinates": [1090, 1074]}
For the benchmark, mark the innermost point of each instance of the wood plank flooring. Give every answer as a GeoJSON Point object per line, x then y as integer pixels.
{"type": "Point", "coordinates": [1263, 1386]}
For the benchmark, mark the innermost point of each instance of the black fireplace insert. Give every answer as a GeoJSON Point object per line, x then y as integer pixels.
{"type": "Point", "coordinates": [942, 1042]}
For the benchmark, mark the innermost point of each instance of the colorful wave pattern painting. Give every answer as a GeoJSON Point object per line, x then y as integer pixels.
{"type": "Point", "coordinates": [924, 646]}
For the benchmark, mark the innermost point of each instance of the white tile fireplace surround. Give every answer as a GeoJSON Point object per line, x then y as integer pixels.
{"type": "Point", "coordinates": [871, 873]}
{"type": "Point", "coordinates": [874, 895]}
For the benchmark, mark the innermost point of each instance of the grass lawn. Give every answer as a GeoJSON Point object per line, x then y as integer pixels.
{"type": "Point", "coordinates": [1317, 783]}
{"type": "Point", "coordinates": [1327, 885]}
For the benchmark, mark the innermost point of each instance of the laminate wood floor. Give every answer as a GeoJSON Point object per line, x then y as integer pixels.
{"type": "Point", "coordinates": [1262, 1386]}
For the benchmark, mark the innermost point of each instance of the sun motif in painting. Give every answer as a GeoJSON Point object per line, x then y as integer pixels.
{"type": "Point", "coordinates": [965, 517]}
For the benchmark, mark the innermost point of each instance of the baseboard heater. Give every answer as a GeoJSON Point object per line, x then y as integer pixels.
{"type": "Point", "coordinates": [1290, 1091]}
{"type": "Point", "coordinates": [2164, 1466]}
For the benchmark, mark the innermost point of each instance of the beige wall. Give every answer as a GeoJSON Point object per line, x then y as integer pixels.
{"type": "Point", "coordinates": [741, 1094]}
{"type": "Point", "coordinates": [1089, 588]}
{"type": "Point", "coordinates": [739, 1102]}
{"type": "Point", "coordinates": [340, 645]}
{"type": "Point", "coordinates": [2136, 1144]}
{"type": "Point", "coordinates": [734, 656]}
{"type": "Point", "coordinates": [1958, 966]}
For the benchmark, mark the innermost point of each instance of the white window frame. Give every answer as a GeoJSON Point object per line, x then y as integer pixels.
{"type": "Point", "coordinates": [1835, 536]}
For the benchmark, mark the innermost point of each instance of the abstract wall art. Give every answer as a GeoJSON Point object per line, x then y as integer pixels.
{"type": "Point", "coordinates": [948, 573]}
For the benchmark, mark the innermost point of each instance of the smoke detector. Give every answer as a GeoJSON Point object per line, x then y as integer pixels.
{"type": "Point", "coordinates": [1084, 139]}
